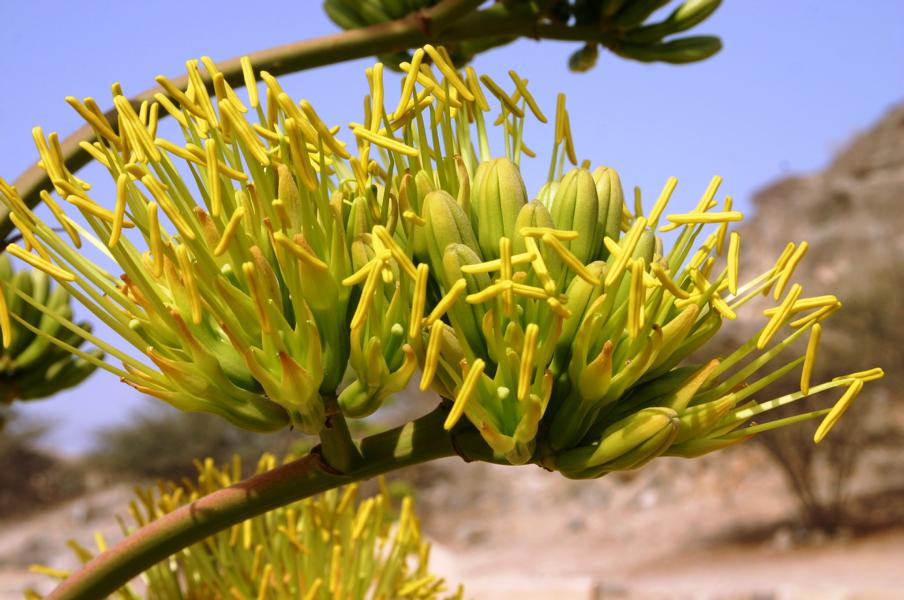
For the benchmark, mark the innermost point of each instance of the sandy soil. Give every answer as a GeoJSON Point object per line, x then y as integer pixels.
{"type": "Point", "coordinates": [668, 532]}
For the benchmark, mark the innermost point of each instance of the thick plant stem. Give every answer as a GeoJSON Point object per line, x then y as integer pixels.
{"type": "Point", "coordinates": [338, 449]}
{"type": "Point", "coordinates": [419, 441]}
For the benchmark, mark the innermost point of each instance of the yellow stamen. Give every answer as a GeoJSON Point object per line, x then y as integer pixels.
{"type": "Point", "coordinates": [838, 410]}
{"type": "Point", "coordinates": [431, 359]}
{"type": "Point", "coordinates": [868, 375]}
{"type": "Point", "coordinates": [734, 258]}
{"type": "Point", "coordinates": [561, 234]}
{"type": "Point", "coordinates": [120, 211]}
{"type": "Point", "coordinates": [539, 265]}
{"type": "Point", "coordinates": [418, 301]}
{"type": "Point", "coordinates": [464, 393]}
{"type": "Point", "coordinates": [5, 323]}
{"type": "Point", "coordinates": [403, 260]}
{"type": "Point", "coordinates": [361, 274]}
{"type": "Point", "coordinates": [408, 84]}
{"type": "Point", "coordinates": [190, 283]}
{"type": "Point", "coordinates": [446, 302]}
{"type": "Point", "coordinates": [570, 259]}
{"type": "Point", "coordinates": [819, 315]}
{"type": "Point", "coordinates": [788, 269]}
{"type": "Point", "coordinates": [213, 178]}
{"type": "Point", "coordinates": [526, 366]}
{"type": "Point", "coordinates": [636, 298]}
{"type": "Point", "coordinates": [662, 201]}
{"type": "Point", "coordinates": [558, 308]}
{"type": "Point", "coordinates": [627, 249]}
{"type": "Point", "coordinates": [810, 358]}
{"type": "Point", "coordinates": [560, 118]}
{"type": "Point", "coordinates": [667, 282]}
{"type": "Point", "coordinates": [250, 82]}
{"type": "Point", "coordinates": [323, 131]}
{"type": "Point", "coordinates": [180, 97]}
{"type": "Point", "coordinates": [62, 218]}
{"type": "Point", "coordinates": [506, 272]}
{"type": "Point", "coordinates": [474, 87]}
{"type": "Point", "coordinates": [156, 240]}
{"type": "Point", "coordinates": [299, 251]}
{"type": "Point", "coordinates": [778, 318]}
{"type": "Point", "coordinates": [232, 227]}
{"type": "Point", "coordinates": [39, 263]}
{"type": "Point", "coordinates": [496, 264]}
{"type": "Point", "coordinates": [100, 125]}
{"type": "Point", "coordinates": [158, 191]}
{"type": "Point", "coordinates": [504, 98]}
{"type": "Point", "coordinates": [699, 218]}
{"type": "Point", "coordinates": [489, 292]}
{"type": "Point", "coordinates": [367, 294]}
{"type": "Point", "coordinates": [385, 142]}
{"type": "Point", "coordinates": [528, 97]}
{"type": "Point", "coordinates": [449, 71]}
{"type": "Point", "coordinates": [806, 304]}
{"type": "Point", "coordinates": [569, 141]}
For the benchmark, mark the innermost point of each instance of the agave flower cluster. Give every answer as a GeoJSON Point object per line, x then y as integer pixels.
{"type": "Point", "coordinates": [269, 258]}
{"type": "Point", "coordinates": [333, 545]}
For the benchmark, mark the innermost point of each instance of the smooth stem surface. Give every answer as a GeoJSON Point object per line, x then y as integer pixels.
{"type": "Point", "coordinates": [419, 441]}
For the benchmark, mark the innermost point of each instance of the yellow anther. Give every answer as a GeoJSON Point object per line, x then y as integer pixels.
{"type": "Point", "coordinates": [491, 266]}
{"type": "Point", "coordinates": [539, 265]}
{"type": "Point", "coordinates": [300, 251]}
{"type": "Point", "coordinates": [504, 98]}
{"type": "Point", "coordinates": [213, 178]}
{"type": "Point", "coordinates": [232, 227]}
{"type": "Point", "coordinates": [367, 294]}
{"type": "Point", "coordinates": [819, 315]}
{"type": "Point", "coordinates": [528, 97]}
{"type": "Point", "coordinates": [62, 218]}
{"type": "Point", "coordinates": [569, 141]}
{"type": "Point", "coordinates": [403, 260]}
{"type": "Point", "coordinates": [806, 304]}
{"type": "Point", "coordinates": [868, 375]}
{"type": "Point", "coordinates": [158, 191]}
{"type": "Point", "coordinates": [361, 274]}
{"type": "Point", "coordinates": [558, 308]}
{"type": "Point", "coordinates": [627, 249]}
{"type": "Point", "coordinates": [506, 271]}
{"type": "Point", "coordinates": [778, 318]}
{"type": "Point", "coordinates": [5, 323]}
{"type": "Point", "coordinates": [637, 296]}
{"type": "Point", "coordinates": [788, 269]}
{"type": "Point", "coordinates": [188, 280]}
{"type": "Point", "coordinates": [449, 71]}
{"type": "Point", "coordinates": [323, 131]}
{"type": "Point", "coordinates": [570, 259]}
{"type": "Point", "coordinates": [667, 282]}
{"type": "Point", "coordinates": [560, 119]}
{"type": "Point", "coordinates": [120, 211]}
{"type": "Point", "coordinates": [250, 82]}
{"type": "Point", "coordinates": [838, 410]}
{"type": "Point", "coordinates": [180, 97]}
{"type": "Point", "coordinates": [662, 201]}
{"type": "Point", "coordinates": [446, 302]}
{"type": "Point", "coordinates": [464, 393]}
{"type": "Point", "coordinates": [810, 358]}
{"type": "Point", "coordinates": [39, 263]}
{"type": "Point", "coordinates": [489, 292]}
{"type": "Point", "coordinates": [413, 217]}
{"type": "Point", "coordinates": [300, 157]}
{"type": "Point", "coordinates": [474, 87]}
{"type": "Point", "coordinates": [559, 234]}
{"type": "Point", "coordinates": [701, 217]}
{"type": "Point", "coordinates": [408, 84]}
{"type": "Point", "coordinates": [418, 300]}
{"type": "Point", "coordinates": [526, 366]}
{"type": "Point", "coordinates": [155, 239]}
{"type": "Point", "coordinates": [431, 359]}
{"type": "Point", "coordinates": [384, 142]}
{"type": "Point", "coordinates": [734, 258]}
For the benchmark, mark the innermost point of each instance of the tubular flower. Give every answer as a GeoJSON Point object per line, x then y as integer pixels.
{"type": "Point", "coordinates": [559, 327]}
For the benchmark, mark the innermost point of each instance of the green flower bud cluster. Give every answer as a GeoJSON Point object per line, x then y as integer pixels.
{"type": "Point", "coordinates": [334, 545]}
{"type": "Point", "coordinates": [559, 327]}
{"type": "Point", "coordinates": [622, 26]}
{"type": "Point", "coordinates": [34, 312]}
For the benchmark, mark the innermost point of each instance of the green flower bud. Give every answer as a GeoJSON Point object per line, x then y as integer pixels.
{"type": "Point", "coordinates": [446, 223]}
{"type": "Point", "coordinates": [611, 199]}
{"type": "Point", "coordinates": [576, 207]}
{"type": "Point", "coordinates": [496, 200]}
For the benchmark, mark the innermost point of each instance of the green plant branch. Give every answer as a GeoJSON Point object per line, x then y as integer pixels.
{"type": "Point", "coordinates": [337, 446]}
{"type": "Point", "coordinates": [418, 441]}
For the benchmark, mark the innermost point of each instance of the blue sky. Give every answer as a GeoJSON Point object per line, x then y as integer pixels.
{"type": "Point", "coordinates": [793, 83]}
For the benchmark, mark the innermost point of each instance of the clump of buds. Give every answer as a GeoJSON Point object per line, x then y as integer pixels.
{"type": "Point", "coordinates": [40, 354]}
{"type": "Point", "coordinates": [558, 326]}
{"type": "Point", "coordinates": [334, 545]}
